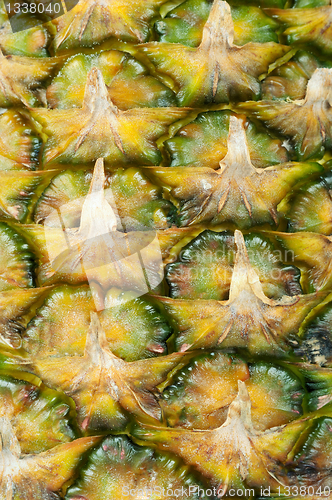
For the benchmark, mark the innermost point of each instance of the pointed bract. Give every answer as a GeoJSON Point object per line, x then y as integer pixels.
{"type": "Point", "coordinates": [92, 21]}
{"type": "Point", "coordinates": [311, 26]}
{"type": "Point", "coordinates": [100, 130]}
{"type": "Point", "coordinates": [19, 142]}
{"type": "Point", "coordinates": [236, 192]}
{"type": "Point", "coordinates": [234, 454]}
{"type": "Point", "coordinates": [247, 319]}
{"type": "Point", "coordinates": [103, 385]}
{"type": "Point", "coordinates": [217, 71]}
{"type": "Point", "coordinates": [308, 121]}
{"type": "Point", "coordinates": [36, 476]}
{"type": "Point", "coordinates": [314, 251]}
{"type": "Point", "coordinates": [14, 305]}
{"type": "Point", "coordinates": [20, 75]}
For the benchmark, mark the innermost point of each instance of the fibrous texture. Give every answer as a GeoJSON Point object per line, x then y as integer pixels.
{"type": "Point", "coordinates": [165, 250]}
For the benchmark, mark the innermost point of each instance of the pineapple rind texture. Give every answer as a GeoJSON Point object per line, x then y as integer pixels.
{"type": "Point", "coordinates": [165, 251]}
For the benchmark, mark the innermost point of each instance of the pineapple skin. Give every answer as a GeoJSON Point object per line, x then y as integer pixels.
{"type": "Point", "coordinates": [165, 222]}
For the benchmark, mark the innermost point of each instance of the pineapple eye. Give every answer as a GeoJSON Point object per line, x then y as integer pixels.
{"type": "Point", "coordinates": [67, 191]}
{"type": "Point", "coordinates": [310, 206]}
{"type": "Point", "coordinates": [312, 461]}
{"type": "Point", "coordinates": [19, 143]}
{"type": "Point", "coordinates": [105, 388]}
{"type": "Point", "coordinates": [203, 143]}
{"type": "Point", "coordinates": [236, 192]}
{"type": "Point", "coordinates": [185, 24]}
{"type": "Point", "coordinates": [205, 265]}
{"type": "Point", "coordinates": [218, 70]}
{"type": "Point", "coordinates": [309, 25]}
{"type": "Point", "coordinates": [200, 394]}
{"type": "Point", "coordinates": [34, 414]}
{"type": "Point", "coordinates": [230, 455]}
{"type": "Point", "coordinates": [16, 260]}
{"type": "Point", "coordinates": [128, 82]}
{"type": "Point", "coordinates": [96, 250]}
{"type": "Point", "coordinates": [248, 318]}
{"type": "Point", "coordinates": [289, 81]}
{"type": "Point", "coordinates": [120, 468]}
{"type": "Point", "coordinates": [134, 327]}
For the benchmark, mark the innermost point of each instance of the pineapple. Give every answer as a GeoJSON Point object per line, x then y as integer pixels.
{"type": "Point", "coordinates": [165, 250]}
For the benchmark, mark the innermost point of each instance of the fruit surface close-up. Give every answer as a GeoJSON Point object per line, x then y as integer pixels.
{"type": "Point", "coordinates": [165, 249]}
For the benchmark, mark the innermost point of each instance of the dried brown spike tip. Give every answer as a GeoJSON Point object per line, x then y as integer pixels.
{"type": "Point", "coordinates": [237, 165]}
{"type": "Point", "coordinates": [218, 31]}
{"type": "Point", "coordinates": [217, 39]}
{"type": "Point", "coordinates": [96, 341]}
